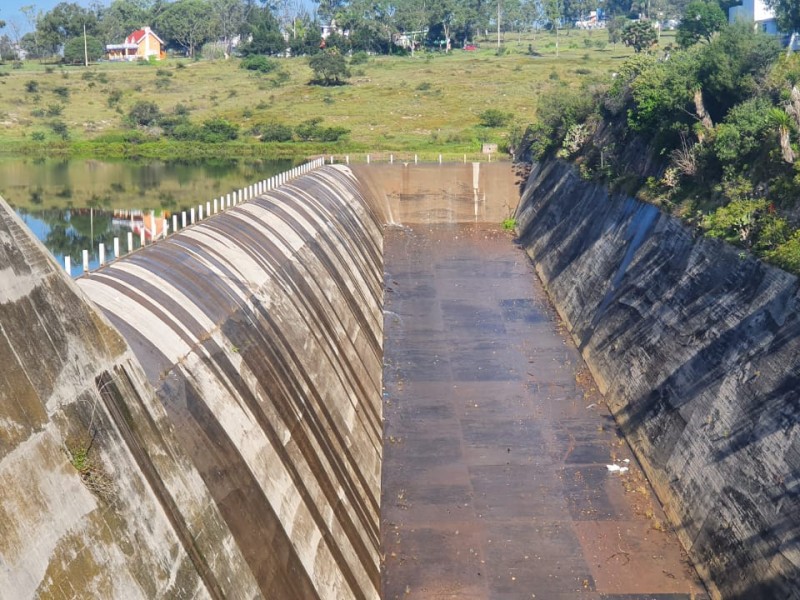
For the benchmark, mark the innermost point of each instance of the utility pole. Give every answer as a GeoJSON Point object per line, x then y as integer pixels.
{"type": "Point", "coordinates": [498, 24]}
{"type": "Point", "coordinates": [85, 47]}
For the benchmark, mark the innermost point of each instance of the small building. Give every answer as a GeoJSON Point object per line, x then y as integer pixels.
{"type": "Point", "coordinates": [142, 44]}
{"type": "Point", "coordinates": [756, 12]}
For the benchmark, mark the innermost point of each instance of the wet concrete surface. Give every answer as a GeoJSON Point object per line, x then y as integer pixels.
{"type": "Point", "coordinates": [496, 444]}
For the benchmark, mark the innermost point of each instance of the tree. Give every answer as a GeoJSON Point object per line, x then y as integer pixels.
{"type": "Point", "coordinates": [700, 22]}
{"type": "Point", "coordinates": [640, 35]}
{"type": "Point", "coordinates": [124, 16]}
{"type": "Point", "coordinates": [66, 20]}
{"type": "Point", "coordinates": [554, 10]}
{"type": "Point", "coordinates": [329, 9]}
{"type": "Point", "coordinates": [229, 17]}
{"type": "Point", "coordinates": [30, 41]}
{"type": "Point", "coordinates": [329, 67]}
{"type": "Point", "coordinates": [615, 28]}
{"type": "Point", "coordinates": [787, 13]}
{"type": "Point", "coordinates": [534, 14]}
{"type": "Point", "coordinates": [188, 23]}
{"type": "Point", "coordinates": [265, 34]}
{"type": "Point", "coordinates": [74, 50]}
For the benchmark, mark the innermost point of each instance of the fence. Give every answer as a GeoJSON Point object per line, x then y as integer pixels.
{"type": "Point", "coordinates": [196, 214]}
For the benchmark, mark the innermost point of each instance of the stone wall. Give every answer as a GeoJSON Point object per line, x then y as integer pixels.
{"type": "Point", "coordinates": [697, 348]}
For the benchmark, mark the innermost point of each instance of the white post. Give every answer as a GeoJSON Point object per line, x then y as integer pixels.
{"type": "Point", "coordinates": [174, 223]}
{"type": "Point", "coordinates": [191, 215]}
{"type": "Point", "coordinates": [440, 159]}
{"type": "Point", "coordinates": [331, 158]}
{"type": "Point", "coordinates": [216, 206]}
{"type": "Point", "coordinates": [183, 219]}
{"type": "Point", "coordinates": [208, 208]}
{"type": "Point", "coordinates": [164, 228]}
{"type": "Point", "coordinates": [130, 241]}
{"type": "Point", "coordinates": [228, 200]}
{"type": "Point", "coordinates": [116, 247]}
{"type": "Point", "coordinates": [142, 238]}
{"type": "Point", "coordinates": [367, 158]}
{"type": "Point", "coordinates": [415, 159]}
{"type": "Point", "coordinates": [68, 265]}
{"type": "Point", "coordinates": [101, 252]}
{"type": "Point", "coordinates": [391, 159]}
{"type": "Point", "coordinates": [199, 212]}
{"type": "Point", "coordinates": [85, 261]}
{"type": "Point", "coordinates": [465, 159]}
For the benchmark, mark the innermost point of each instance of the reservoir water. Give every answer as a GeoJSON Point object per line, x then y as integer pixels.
{"type": "Point", "coordinates": [75, 204]}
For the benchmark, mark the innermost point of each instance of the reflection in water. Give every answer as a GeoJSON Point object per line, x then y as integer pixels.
{"type": "Point", "coordinates": [74, 205]}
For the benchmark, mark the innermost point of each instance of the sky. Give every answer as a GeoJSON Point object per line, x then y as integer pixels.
{"type": "Point", "coordinates": [9, 9]}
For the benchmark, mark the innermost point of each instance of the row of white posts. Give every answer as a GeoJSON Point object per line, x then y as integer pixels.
{"type": "Point", "coordinates": [416, 159]}
{"type": "Point", "coordinates": [211, 207]}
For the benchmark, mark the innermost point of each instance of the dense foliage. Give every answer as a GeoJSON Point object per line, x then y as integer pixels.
{"type": "Point", "coordinates": [276, 28]}
{"type": "Point", "coordinates": [710, 133]}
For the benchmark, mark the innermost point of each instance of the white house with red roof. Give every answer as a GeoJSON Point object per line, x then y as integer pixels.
{"type": "Point", "coordinates": [142, 44]}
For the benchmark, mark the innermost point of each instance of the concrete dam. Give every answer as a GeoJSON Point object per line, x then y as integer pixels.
{"type": "Point", "coordinates": [355, 385]}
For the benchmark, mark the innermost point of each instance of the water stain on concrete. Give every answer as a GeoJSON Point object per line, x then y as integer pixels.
{"type": "Point", "coordinates": [496, 445]}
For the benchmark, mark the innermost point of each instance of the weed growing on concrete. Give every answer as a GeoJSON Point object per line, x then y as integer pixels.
{"type": "Point", "coordinates": [79, 452]}
{"type": "Point", "coordinates": [509, 224]}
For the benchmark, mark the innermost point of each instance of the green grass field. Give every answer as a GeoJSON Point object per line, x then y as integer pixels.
{"type": "Point", "coordinates": [428, 103]}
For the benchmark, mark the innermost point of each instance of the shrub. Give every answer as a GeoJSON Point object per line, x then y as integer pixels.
{"type": "Point", "coordinates": [38, 136]}
{"type": "Point", "coordinates": [312, 130]}
{"type": "Point", "coordinates": [787, 255]}
{"type": "Point", "coordinates": [494, 118]}
{"type": "Point", "coordinates": [114, 96]}
{"type": "Point", "coordinates": [218, 129]}
{"type": "Point", "coordinates": [259, 63]}
{"type": "Point", "coordinates": [275, 132]}
{"type": "Point", "coordinates": [60, 128]}
{"type": "Point", "coordinates": [743, 131]}
{"type": "Point", "coordinates": [31, 86]}
{"type": "Point", "coordinates": [144, 113]}
{"type": "Point", "coordinates": [61, 92]}
{"type": "Point", "coordinates": [359, 58]}
{"type": "Point", "coordinates": [54, 110]}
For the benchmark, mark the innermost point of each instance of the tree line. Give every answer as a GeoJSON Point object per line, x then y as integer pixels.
{"type": "Point", "coordinates": [275, 26]}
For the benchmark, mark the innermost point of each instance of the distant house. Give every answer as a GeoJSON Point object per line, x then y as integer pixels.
{"type": "Point", "coordinates": [142, 44]}
{"type": "Point", "coordinates": [756, 12]}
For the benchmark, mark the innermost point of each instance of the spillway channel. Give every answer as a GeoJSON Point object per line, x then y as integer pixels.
{"type": "Point", "coordinates": [497, 447]}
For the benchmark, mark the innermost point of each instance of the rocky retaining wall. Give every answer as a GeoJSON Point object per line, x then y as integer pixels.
{"type": "Point", "coordinates": [697, 348]}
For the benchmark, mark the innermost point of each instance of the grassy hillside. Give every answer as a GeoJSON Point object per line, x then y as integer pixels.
{"type": "Point", "coordinates": [427, 103]}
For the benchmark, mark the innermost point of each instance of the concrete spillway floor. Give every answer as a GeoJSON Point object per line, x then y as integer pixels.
{"type": "Point", "coordinates": [495, 478]}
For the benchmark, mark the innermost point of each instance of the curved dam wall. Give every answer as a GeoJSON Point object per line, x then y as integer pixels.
{"type": "Point", "coordinates": [215, 429]}
{"type": "Point", "coordinates": [697, 349]}
{"type": "Point", "coordinates": [261, 331]}
{"type": "Point", "coordinates": [99, 499]}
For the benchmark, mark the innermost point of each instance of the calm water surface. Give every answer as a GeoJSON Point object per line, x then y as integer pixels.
{"type": "Point", "coordinates": [74, 205]}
